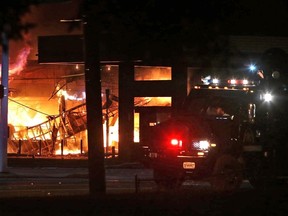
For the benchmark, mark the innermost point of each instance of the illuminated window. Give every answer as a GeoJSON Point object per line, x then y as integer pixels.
{"type": "Point", "coordinates": [152, 101]}
{"type": "Point", "coordinates": [136, 128]}
{"type": "Point", "coordinates": [146, 73]}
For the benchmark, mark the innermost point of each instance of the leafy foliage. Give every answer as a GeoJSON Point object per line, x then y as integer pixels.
{"type": "Point", "coordinates": [10, 17]}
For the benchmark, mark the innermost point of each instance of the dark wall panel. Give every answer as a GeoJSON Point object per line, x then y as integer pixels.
{"type": "Point", "coordinates": [60, 49]}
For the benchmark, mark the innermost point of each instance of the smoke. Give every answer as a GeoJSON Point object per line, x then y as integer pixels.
{"type": "Point", "coordinates": [21, 61]}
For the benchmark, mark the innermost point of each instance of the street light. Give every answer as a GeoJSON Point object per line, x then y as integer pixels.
{"type": "Point", "coordinates": [252, 67]}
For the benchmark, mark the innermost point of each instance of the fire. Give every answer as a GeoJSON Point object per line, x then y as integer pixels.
{"type": "Point", "coordinates": [21, 116]}
{"type": "Point", "coordinates": [67, 151]}
{"type": "Point", "coordinates": [20, 62]}
{"type": "Point", "coordinates": [113, 134]}
{"type": "Point", "coordinates": [71, 97]}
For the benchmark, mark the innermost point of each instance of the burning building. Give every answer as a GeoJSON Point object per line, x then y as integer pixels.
{"type": "Point", "coordinates": [40, 103]}
{"type": "Point", "coordinates": [47, 107]}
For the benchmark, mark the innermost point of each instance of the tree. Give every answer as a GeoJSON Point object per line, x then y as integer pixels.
{"type": "Point", "coordinates": [10, 18]}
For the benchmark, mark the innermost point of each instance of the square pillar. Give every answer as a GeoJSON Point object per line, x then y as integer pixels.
{"type": "Point", "coordinates": [126, 110]}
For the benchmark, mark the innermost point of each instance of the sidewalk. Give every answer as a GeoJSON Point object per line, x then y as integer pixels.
{"type": "Point", "coordinates": [43, 172]}
{"type": "Point", "coordinates": [67, 172]}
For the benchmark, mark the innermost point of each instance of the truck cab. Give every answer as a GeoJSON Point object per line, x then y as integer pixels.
{"type": "Point", "coordinates": [223, 133]}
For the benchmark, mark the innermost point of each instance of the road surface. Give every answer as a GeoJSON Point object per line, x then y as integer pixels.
{"type": "Point", "coordinates": [64, 191]}
{"type": "Point", "coordinates": [55, 181]}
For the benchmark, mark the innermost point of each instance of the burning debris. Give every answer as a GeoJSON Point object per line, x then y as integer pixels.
{"type": "Point", "coordinates": [47, 109]}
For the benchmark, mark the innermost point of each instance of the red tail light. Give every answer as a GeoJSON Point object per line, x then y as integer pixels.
{"type": "Point", "coordinates": [176, 142]}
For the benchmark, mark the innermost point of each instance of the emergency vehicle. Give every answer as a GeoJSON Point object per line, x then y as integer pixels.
{"type": "Point", "coordinates": [225, 132]}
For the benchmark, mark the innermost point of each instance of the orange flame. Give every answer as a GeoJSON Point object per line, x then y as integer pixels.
{"type": "Point", "coordinates": [21, 61]}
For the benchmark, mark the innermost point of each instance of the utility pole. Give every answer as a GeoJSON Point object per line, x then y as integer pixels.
{"type": "Point", "coordinates": [97, 183]}
{"type": "Point", "coordinates": [4, 103]}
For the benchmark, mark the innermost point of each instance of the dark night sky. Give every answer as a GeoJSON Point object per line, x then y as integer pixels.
{"type": "Point", "coordinates": [236, 16]}
{"type": "Point", "coordinates": [268, 18]}
{"type": "Point", "coordinates": [150, 19]}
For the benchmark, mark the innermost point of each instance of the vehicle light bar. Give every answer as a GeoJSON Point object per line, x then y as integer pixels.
{"type": "Point", "coordinates": [222, 87]}
{"type": "Point", "coordinates": [231, 82]}
{"type": "Point", "coordinates": [241, 82]}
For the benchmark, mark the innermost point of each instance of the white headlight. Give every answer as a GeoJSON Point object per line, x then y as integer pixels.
{"type": "Point", "coordinates": [204, 144]}
{"type": "Point", "coordinates": [201, 145]}
{"type": "Point", "coordinates": [267, 97]}
{"type": "Point", "coordinates": [215, 81]}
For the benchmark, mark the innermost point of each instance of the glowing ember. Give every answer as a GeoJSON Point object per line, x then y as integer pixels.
{"type": "Point", "coordinates": [67, 151]}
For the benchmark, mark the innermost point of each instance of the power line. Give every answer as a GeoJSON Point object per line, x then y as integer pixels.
{"type": "Point", "coordinates": [28, 107]}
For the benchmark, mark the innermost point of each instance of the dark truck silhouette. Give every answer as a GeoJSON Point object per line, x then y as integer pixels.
{"type": "Point", "coordinates": [224, 134]}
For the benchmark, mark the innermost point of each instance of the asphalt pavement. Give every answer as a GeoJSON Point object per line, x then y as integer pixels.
{"type": "Point", "coordinates": [194, 200]}
{"type": "Point", "coordinates": [24, 181]}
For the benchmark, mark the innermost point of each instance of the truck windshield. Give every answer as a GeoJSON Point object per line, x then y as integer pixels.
{"type": "Point", "coordinates": [213, 102]}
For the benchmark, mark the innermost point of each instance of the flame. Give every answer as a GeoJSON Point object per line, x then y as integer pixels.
{"type": "Point", "coordinates": [21, 117]}
{"type": "Point", "coordinates": [67, 151]}
{"type": "Point", "coordinates": [20, 62]}
{"type": "Point", "coordinates": [68, 96]}
{"type": "Point", "coordinates": [152, 73]}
